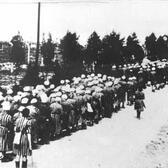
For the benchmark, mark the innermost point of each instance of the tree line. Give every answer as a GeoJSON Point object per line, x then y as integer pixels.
{"type": "Point", "coordinates": [112, 49]}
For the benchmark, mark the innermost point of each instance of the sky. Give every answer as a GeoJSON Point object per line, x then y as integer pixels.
{"type": "Point", "coordinates": [83, 17]}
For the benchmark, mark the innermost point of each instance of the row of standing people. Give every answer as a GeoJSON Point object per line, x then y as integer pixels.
{"type": "Point", "coordinates": [40, 120]}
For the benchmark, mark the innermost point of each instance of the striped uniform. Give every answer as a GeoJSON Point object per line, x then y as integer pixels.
{"type": "Point", "coordinates": [23, 125]}
{"type": "Point", "coordinates": [5, 126]}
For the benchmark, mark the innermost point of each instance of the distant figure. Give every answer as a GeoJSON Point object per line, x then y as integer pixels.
{"type": "Point", "coordinates": [139, 103]}
{"type": "Point", "coordinates": [153, 79]}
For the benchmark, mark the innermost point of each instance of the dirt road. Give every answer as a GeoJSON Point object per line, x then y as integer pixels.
{"type": "Point", "coordinates": [113, 143]}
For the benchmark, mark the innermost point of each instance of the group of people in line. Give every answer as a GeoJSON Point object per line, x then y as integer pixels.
{"type": "Point", "coordinates": [32, 115]}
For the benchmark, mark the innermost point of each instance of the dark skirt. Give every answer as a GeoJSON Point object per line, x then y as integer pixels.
{"type": "Point", "coordinates": [23, 148]}
{"type": "Point", "coordinates": [90, 116]}
{"type": "Point", "coordinates": [139, 105]}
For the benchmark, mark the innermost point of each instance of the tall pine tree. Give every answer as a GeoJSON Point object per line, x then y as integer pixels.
{"type": "Point", "coordinates": [150, 45]}
{"type": "Point", "coordinates": [162, 47]}
{"type": "Point", "coordinates": [47, 50]}
{"type": "Point", "coordinates": [72, 53]}
{"type": "Point", "coordinates": [133, 50]}
{"type": "Point", "coordinates": [93, 49]}
{"type": "Point", "coordinates": [112, 49]}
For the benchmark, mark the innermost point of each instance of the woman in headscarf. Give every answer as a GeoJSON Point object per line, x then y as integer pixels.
{"type": "Point", "coordinates": [23, 148]}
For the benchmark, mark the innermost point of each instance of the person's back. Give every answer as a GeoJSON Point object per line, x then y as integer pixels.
{"type": "Point", "coordinates": [137, 95]}
{"type": "Point", "coordinates": [139, 103]}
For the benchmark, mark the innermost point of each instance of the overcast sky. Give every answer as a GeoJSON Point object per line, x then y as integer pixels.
{"type": "Point", "coordinates": [123, 16]}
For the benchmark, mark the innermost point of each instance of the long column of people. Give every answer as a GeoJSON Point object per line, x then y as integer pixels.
{"type": "Point", "coordinates": [46, 112]}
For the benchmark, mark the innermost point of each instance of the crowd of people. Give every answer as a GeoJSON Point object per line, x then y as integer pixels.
{"type": "Point", "coordinates": [7, 66]}
{"type": "Point", "coordinates": [32, 115]}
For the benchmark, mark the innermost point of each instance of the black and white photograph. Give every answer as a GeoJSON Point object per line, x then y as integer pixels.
{"type": "Point", "coordinates": [83, 84]}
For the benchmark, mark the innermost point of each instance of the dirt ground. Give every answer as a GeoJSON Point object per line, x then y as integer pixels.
{"type": "Point", "coordinates": [120, 142]}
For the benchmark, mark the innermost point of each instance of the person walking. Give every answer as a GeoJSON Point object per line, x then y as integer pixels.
{"type": "Point", "coordinates": [139, 103]}
{"type": "Point", "coordinates": [22, 143]}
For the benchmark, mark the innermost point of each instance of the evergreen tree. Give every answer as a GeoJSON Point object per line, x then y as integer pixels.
{"type": "Point", "coordinates": [112, 49]}
{"type": "Point", "coordinates": [150, 45]}
{"type": "Point", "coordinates": [133, 50]}
{"type": "Point", "coordinates": [47, 50]}
{"type": "Point", "coordinates": [93, 49]}
{"type": "Point", "coordinates": [70, 49]}
{"type": "Point", "coordinates": [18, 50]}
{"type": "Point", "coordinates": [162, 47]}
{"type": "Point", "coordinates": [72, 53]}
